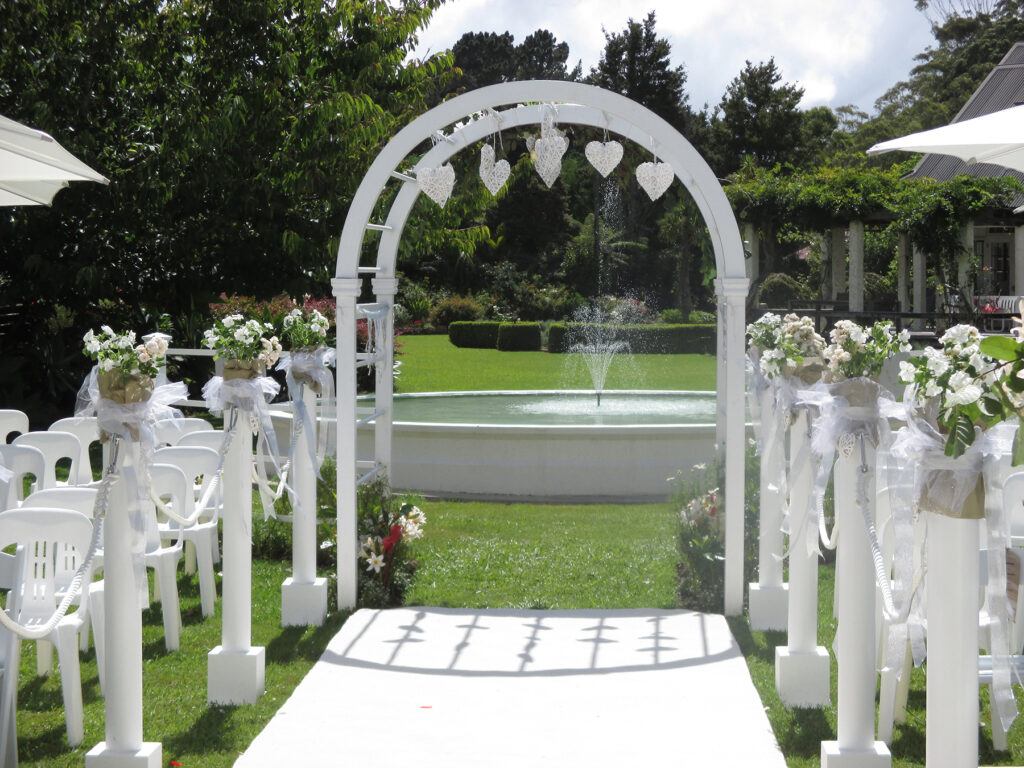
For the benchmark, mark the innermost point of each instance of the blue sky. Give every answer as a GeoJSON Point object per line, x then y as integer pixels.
{"type": "Point", "coordinates": [840, 52]}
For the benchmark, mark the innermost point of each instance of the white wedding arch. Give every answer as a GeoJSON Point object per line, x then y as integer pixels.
{"type": "Point", "coordinates": [476, 115]}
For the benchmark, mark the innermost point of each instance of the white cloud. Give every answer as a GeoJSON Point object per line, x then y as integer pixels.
{"type": "Point", "coordinates": [839, 51]}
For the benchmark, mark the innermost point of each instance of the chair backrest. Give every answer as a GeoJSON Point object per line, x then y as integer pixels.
{"type": "Point", "coordinates": [21, 460]}
{"type": "Point", "coordinates": [86, 429]}
{"type": "Point", "coordinates": [210, 438]}
{"type": "Point", "coordinates": [171, 486]}
{"type": "Point", "coordinates": [42, 532]}
{"type": "Point", "coordinates": [80, 499]}
{"type": "Point", "coordinates": [55, 446]}
{"type": "Point", "coordinates": [12, 421]}
{"type": "Point", "coordinates": [195, 461]}
{"type": "Point", "coordinates": [170, 431]}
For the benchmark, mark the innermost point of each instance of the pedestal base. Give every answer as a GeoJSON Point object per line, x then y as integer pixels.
{"type": "Point", "coordinates": [303, 605]}
{"type": "Point", "coordinates": [769, 607]}
{"type": "Point", "coordinates": [802, 679]}
{"type": "Point", "coordinates": [235, 677]}
{"type": "Point", "coordinates": [876, 757]}
{"type": "Point", "coordinates": [150, 755]}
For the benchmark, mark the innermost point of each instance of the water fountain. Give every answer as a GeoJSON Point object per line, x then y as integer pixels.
{"type": "Point", "coordinates": [594, 337]}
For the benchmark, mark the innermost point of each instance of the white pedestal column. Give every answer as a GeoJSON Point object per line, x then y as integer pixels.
{"type": "Point", "coordinates": [236, 670]}
{"type": "Point", "coordinates": [769, 595]}
{"type": "Point", "coordinates": [802, 666]}
{"type": "Point", "coordinates": [303, 595]}
{"type": "Point", "coordinates": [855, 745]}
{"type": "Point", "coordinates": [346, 290]}
{"type": "Point", "coordinates": [951, 735]}
{"type": "Point", "coordinates": [122, 627]}
{"type": "Point", "coordinates": [735, 293]}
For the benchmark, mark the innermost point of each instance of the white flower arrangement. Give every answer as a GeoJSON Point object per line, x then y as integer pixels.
{"type": "Point", "coordinates": [784, 344]}
{"type": "Point", "coordinates": [305, 328]}
{"type": "Point", "coordinates": [860, 352]}
{"type": "Point", "coordinates": [965, 382]}
{"type": "Point", "coordinates": [378, 550]}
{"type": "Point", "coordinates": [235, 338]}
{"type": "Point", "coordinates": [120, 352]}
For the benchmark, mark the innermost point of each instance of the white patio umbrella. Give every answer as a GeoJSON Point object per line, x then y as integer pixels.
{"type": "Point", "coordinates": [996, 138]}
{"type": "Point", "coordinates": [34, 167]}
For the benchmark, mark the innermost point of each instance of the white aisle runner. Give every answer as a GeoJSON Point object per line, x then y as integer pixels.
{"type": "Point", "coordinates": [462, 688]}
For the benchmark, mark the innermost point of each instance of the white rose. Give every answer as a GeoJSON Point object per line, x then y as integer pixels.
{"type": "Point", "coordinates": [152, 348]}
{"type": "Point", "coordinates": [228, 321]}
{"type": "Point", "coordinates": [907, 372]}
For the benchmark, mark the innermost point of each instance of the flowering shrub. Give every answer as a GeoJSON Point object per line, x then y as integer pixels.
{"type": "Point", "coordinates": [305, 328]}
{"type": "Point", "coordinates": [235, 338]}
{"type": "Point", "coordinates": [856, 351]}
{"type": "Point", "coordinates": [962, 381]}
{"type": "Point", "coordinates": [118, 351]}
{"type": "Point", "coordinates": [784, 344]}
{"type": "Point", "coordinates": [386, 528]}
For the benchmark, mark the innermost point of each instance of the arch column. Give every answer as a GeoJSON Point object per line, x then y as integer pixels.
{"type": "Point", "coordinates": [346, 292]}
{"type": "Point", "coordinates": [384, 289]}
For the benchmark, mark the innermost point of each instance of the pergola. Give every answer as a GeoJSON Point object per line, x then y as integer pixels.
{"type": "Point", "coordinates": [477, 115]}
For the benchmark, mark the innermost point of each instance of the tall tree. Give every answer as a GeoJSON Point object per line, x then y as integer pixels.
{"type": "Point", "coordinates": [485, 58]}
{"type": "Point", "coordinates": [541, 57]}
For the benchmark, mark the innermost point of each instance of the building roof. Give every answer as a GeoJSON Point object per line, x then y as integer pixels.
{"type": "Point", "coordinates": [1003, 88]}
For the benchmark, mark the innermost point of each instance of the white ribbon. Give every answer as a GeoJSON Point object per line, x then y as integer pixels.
{"type": "Point", "coordinates": [250, 397]}
{"type": "Point", "coordinates": [300, 369]}
{"type": "Point", "coordinates": [375, 315]}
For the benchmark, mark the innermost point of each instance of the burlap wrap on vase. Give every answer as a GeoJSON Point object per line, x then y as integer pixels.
{"type": "Point", "coordinates": [124, 389]}
{"type": "Point", "coordinates": [937, 496]}
{"type": "Point", "coordinates": [243, 369]}
{"type": "Point", "coordinates": [810, 370]}
{"type": "Point", "coordinates": [301, 377]}
{"type": "Point", "coordinates": [859, 392]}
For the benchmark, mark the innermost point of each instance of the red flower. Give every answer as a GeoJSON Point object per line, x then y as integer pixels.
{"type": "Point", "coordinates": [396, 532]}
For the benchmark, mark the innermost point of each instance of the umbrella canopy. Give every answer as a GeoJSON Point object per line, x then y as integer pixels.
{"type": "Point", "coordinates": [34, 167]}
{"type": "Point", "coordinates": [996, 138]}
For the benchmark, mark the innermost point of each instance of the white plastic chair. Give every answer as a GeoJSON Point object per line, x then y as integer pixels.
{"type": "Point", "coordinates": [21, 460]}
{"type": "Point", "coordinates": [170, 431]}
{"type": "Point", "coordinates": [55, 446]}
{"type": "Point", "coordinates": [40, 532]}
{"type": "Point", "coordinates": [12, 421]}
{"type": "Point", "coordinates": [10, 662]}
{"type": "Point", "coordinates": [196, 462]}
{"type": "Point", "coordinates": [86, 430]}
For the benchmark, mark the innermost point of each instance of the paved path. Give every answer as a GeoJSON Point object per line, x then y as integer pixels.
{"type": "Point", "coordinates": [463, 688]}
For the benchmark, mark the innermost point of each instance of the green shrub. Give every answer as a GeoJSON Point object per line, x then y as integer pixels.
{"type": "Point", "coordinates": [672, 317]}
{"type": "Point", "coordinates": [478, 334]}
{"type": "Point", "coordinates": [455, 308]}
{"type": "Point", "coordinates": [644, 339]}
{"type": "Point", "coordinates": [519, 337]}
{"type": "Point", "coordinates": [779, 289]}
{"type": "Point", "coordinates": [700, 317]}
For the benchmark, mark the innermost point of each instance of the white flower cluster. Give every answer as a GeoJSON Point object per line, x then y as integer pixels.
{"type": "Point", "coordinates": [236, 338]}
{"type": "Point", "coordinates": [784, 344]}
{"type": "Point", "coordinates": [305, 328]}
{"type": "Point", "coordinates": [119, 351]}
{"type": "Point", "coordinates": [958, 374]}
{"type": "Point", "coordinates": [856, 351]}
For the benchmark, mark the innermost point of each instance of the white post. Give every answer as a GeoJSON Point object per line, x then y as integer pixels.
{"type": "Point", "coordinates": [838, 261]}
{"type": "Point", "coordinates": [963, 267]}
{"type": "Point", "coordinates": [122, 627]}
{"type": "Point", "coordinates": [303, 595]}
{"type": "Point", "coordinates": [856, 266]}
{"type": "Point", "coordinates": [1017, 286]}
{"type": "Point", "coordinates": [920, 276]}
{"type": "Point", "coordinates": [801, 666]}
{"type": "Point", "coordinates": [951, 728]}
{"type": "Point", "coordinates": [236, 670]}
{"type": "Point", "coordinates": [720, 366]}
{"type": "Point", "coordinates": [902, 281]}
{"type": "Point", "coordinates": [346, 291]}
{"type": "Point", "coordinates": [752, 245]}
{"type": "Point", "coordinates": [384, 291]}
{"type": "Point", "coordinates": [768, 596]}
{"type": "Point", "coordinates": [855, 745]}
{"type": "Point", "coordinates": [734, 291]}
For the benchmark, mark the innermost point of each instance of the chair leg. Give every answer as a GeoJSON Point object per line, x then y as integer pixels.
{"type": "Point", "coordinates": [44, 657]}
{"type": "Point", "coordinates": [903, 688]}
{"type": "Point", "coordinates": [215, 544]}
{"type": "Point", "coordinates": [207, 586]}
{"type": "Point", "coordinates": [190, 558]}
{"type": "Point", "coordinates": [96, 615]}
{"type": "Point", "coordinates": [998, 734]}
{"type": "Point", "coordinates": [888, 682]}
{"type": "Point", "coordinates": [167, 568]}
{"type": "Point", "coordinates": [70, 682]}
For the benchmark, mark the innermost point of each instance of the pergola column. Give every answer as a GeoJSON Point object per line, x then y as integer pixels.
{"type": "Point", "coordinates": [1017, 282]}
{"type": "Point", "coordinates": [920, 275]}
{"type": "Point", "coordinates": [902, 282]}
{"type": "Point", "coordinates": [963, 265]}
{"type": "Point", "coordinates": [856, 266]}
{"type": "Point", "coordinates": [752, 245]}
{"type": "Point", "coordinates": [827, 289]}
{"type": "Point", "coordinates": [384, 289]}
{"type": "Point", "coordinates": [346, 292]}
{"type": "Point", "coordinates": [838, 251]}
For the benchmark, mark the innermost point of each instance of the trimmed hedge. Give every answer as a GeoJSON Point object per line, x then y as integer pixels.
{"type": "Point", "coordinates": [646, 339]}
{"type": "Point", "coordinates": [519, 337]}
{"type": "Point", "coordinates": [480, 334]}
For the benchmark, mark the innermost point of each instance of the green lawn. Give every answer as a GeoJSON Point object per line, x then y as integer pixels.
{"type": "Point", "coordinates": [434, 364]}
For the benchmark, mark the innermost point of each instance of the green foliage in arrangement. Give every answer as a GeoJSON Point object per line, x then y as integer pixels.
{"type": "Point", "coordinates": [480, 334]}
{"type": "Point", "coordinates": [519, 337]}
{"type": "Point", "coordinates": [646, 339]}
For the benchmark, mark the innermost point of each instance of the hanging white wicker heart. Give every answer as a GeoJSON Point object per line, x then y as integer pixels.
{"type": "Point", "coordinates": [436, 183]}
{"type": "Point", "coordinates": [604, 155]}
{"type": "Point", "coordinates": [549, 153]}
{"type": "Point", "coordinates": [493, 174]}
{"type": "Point", "coordinates": [655, 178]}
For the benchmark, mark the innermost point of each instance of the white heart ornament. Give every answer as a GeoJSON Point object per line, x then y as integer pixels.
{"type": "Point", "coordinates": [655, 178]}
{"type": "Point", "coordinates": [604, 155]}
{"type": "Point", "coordinates": [493, 174]}
{"type": "Point", "coordinates": [436, 183]}
{"type": "Point", "coordinates": [549, 153]}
